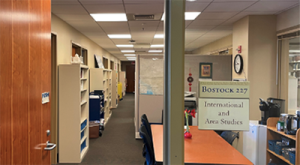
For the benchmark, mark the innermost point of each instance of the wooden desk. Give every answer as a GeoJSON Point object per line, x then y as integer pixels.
{"type": "Point", "coordinates": [205, 147]}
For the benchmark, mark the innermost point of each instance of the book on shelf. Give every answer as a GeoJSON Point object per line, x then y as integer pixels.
{"type": "Point", "coordinates": [81, 73]}
{"type": "Point", "coordinates": [81, 86]}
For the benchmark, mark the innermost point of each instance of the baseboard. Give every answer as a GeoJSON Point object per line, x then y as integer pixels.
{"type": "Point", "coordinates": [137, 135]}
{"type": "Point", "coordinates": [107, 119]}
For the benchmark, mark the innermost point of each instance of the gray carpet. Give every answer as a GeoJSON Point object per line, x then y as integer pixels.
{"type": "Point", "coordinates": [117, 145]}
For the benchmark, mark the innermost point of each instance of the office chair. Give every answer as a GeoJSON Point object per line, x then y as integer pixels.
{"type": "Point", "coordinates": [229, 136]}
{"type": "Point", "coordinates": [146, 123]}
{"type": "Point", "coordinates": [148, 152]}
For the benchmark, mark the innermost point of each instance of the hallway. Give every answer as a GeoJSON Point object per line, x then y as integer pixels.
{"type": "Point", "coordinates": [117, 145]}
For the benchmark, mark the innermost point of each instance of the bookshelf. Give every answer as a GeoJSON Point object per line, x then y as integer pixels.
{"type": "Point", "coordinates": [96, 79]}
{"type": "Point", "coordinates": [273, 134]}
{"type": "Point", "coordinates": [123, 81]}
{"type": "Point", "coordinates": [73, 112]}
{"type": "Point", "coordinates": [107, 95]}
{"type": "Point", "coordinates": [114, 89]}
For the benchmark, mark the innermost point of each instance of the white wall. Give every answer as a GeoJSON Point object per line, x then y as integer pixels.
{"type": "Point", "coordinates": [66, 33]}
{"type": "Point", "coordinates": [288, 19]}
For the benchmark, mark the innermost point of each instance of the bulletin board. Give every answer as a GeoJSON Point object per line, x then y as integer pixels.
{"type": "Point", "coordinates": [151, 76]}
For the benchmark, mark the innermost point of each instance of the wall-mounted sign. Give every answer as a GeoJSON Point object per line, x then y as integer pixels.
{"type": "Point", "coordinates": [224, 89]}
{"type": "Point", "coordinates": [223, 105]}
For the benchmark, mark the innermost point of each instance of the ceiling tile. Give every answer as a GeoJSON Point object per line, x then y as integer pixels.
{"type": "Point", "coordinates": [121, 41]}
{"type": "Point", "coordinates": [100, 1]}
{"type": "Point", "coordinates": [64, 2]}
{"type": "Point", "coordinates": [202, 1]}
{"type": "Point", "coordinates": [143, 29]}
{"type": "Point", "coordinates": [218, 16]}
{"type": "Point", "coordinates": [144, 1]}
{"type": "Point", "coordinates": [75, 17]}
{"type": "Point", "coordinates": [228, 6]}
{"type": "Point", "coordinates": [214, 22]}
{"type": "Point", "coordinates": [195, 6]}
{"type": "Point", "coordinates": [107, 8]}
{"type": "Point", "coordinates": [198, 29]}
{"type": "Point", "coordinates": [143, 23]}
{"type": "Point", "coordinates": [115, 27]}
{"type": "Point", "coordinates": [244, 14]}
{"type": "Point", "coordinates": [235, 0]}
{"type": "Point", "coordinates": [271, 6]}
{"type": "Point", "coordinates": [158, 41]}
{"type": "Point", "coordinates": [144, 8]}
{"type": "Point", "coordinates": [187, 23]}
{"type": "Point", "coordinates": [85, 26]}
{"type": "Point", "coordinates": [68, 9]}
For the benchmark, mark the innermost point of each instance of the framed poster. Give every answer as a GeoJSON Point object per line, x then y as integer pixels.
{"type": "Point", "coordinates": [205, 70]}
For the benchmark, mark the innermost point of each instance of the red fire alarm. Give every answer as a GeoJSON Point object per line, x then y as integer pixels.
{"type": "Point", "coordinates": [239, 49]}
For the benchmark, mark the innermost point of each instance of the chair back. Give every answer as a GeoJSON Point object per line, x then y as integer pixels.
{"type": "Point", "coordinates": [148, 149]}
{"type": "Point", "coordinates": [146, 123]}
{"type": "Point", "coordinates": [229, 136]}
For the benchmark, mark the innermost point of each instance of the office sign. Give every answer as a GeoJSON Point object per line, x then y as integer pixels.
{"type": "Point", "coordinates": [223, 114]}
{"type": "Point", "coordinates": [224, 89]}
{"type": "Point", "coordinates": [223, 105]}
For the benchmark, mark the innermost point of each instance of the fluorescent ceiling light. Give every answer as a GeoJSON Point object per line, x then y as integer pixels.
{"type": "Point", "coordinates": [131, 59]}
{"type": "Point", "coordinates": [127, 51]}
{"type": "Point", "coordinates": [294, 51]}
{"type": "Point", "coordinates": [125, 46]}
{"type": "Point", "coordinates": [187, 15]}
{"type": "Point", "coordinates": [156, 46]}
{"type": "Point", "coordinates": [155, 51]}
{"type": "Point", "coordinates": [191, 15]}
{"type": "Point", "coordinates": [109, 17]}
{"type": "Point", "coordinates": [121, 36]}
{"type": "Point", "coordinates": [129, 54]}
{"type": "Point", "coordinates": [159, 36]}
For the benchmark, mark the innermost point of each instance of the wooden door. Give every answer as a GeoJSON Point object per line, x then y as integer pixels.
{"type": "Point", "coordinates": [25, 73]}
{"type": "Point", "coordinates": [130, 75]}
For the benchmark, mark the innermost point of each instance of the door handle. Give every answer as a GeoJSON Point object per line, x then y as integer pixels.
{"type": "Point", "coordinates": [49, 146]}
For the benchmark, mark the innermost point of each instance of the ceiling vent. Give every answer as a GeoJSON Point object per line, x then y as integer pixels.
{"type": "Point", "coordinates": [144, 17]}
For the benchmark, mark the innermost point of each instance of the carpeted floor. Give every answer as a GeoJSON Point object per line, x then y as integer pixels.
{"type": "Point", "coordinates": [117, 145]}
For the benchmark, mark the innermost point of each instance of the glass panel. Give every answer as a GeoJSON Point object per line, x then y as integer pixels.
{"type": "Point", "coordinates": [294, 75]}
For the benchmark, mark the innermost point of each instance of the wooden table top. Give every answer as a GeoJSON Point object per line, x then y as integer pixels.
{"type": "Point", "coordinates": [205, 147]}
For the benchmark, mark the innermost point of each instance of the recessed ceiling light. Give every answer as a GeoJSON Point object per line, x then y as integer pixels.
{"type": "Point", "coordinates": [125, 46]}
{"type": "Point", "coordinates": [155, 51]}
{"type": "Point", "coordinates": [187, 15]}
{"type": "Point", "coordinates": [156, 46]}
{"type": "Point", "coordinates": [191, 15]}
{"type": "Point", "coordinates": [159, 36]}
{"type": "Point", "coordinates": [129, 54]}
{"type": "Point", "coordinates": [121, 36]}
{"type": "Point", "coordinates": [127, 51]}
{"type": "Point", "coordinates": [109, 17]}
{"type": "Point", "coordinates": [294, 51]}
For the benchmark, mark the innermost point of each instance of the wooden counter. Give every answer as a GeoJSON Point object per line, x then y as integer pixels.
{"type": "Point", "coordinates": [205, 147]}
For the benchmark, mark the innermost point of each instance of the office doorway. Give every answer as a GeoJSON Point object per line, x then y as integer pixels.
{"type": "Point", "coordinates": [54, 98]}
{"type": "Point", "coordinates": [130, 76]}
